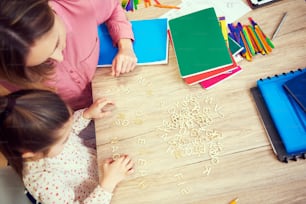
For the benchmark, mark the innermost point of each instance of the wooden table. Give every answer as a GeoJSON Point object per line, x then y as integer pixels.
{"type": "Point", "coordinates": [231, 157]}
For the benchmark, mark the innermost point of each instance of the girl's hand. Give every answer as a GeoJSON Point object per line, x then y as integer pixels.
{"type": "Point", "coordinates": [99, 109]}
{"type": "Point", "coordinates": [114, 171]}
{"type": "Point", "coordinates": [125, 60]}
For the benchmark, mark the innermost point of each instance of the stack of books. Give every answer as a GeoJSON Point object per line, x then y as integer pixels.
{"type": "Point", "coordinates": [204, 54]}
{"type": "Point", "coordinates": [281, 102]}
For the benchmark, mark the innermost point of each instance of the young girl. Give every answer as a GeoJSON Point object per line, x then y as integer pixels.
{"type": "Point", "coordinates": [39, 137]}
{"type": "Point", "coordinates": [54, 45]}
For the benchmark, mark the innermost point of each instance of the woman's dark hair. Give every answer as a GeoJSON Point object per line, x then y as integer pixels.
{"type": "Point", "coordinates": [29, 121]}
{"type": "Point", "coordinates": [21, 23]}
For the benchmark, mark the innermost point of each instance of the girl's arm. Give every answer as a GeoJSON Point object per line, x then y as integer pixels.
{"type": "Point", "coordinates": [99, 109]}
{"type": "Point", "coordinates": [49, 188]}
{"type": "Point", "coordinates": [79, 122]}
{"type": "Point", "coordinates": [114, 171]}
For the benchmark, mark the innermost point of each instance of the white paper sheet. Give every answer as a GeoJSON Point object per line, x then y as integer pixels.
{"type": "Point", "coordinates": [231, 9]}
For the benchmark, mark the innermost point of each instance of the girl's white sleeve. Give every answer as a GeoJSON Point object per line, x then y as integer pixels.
{"type": "Point", "coordinates": [99, 196]}
{"type": "Point", "coordinates": [79, 122]}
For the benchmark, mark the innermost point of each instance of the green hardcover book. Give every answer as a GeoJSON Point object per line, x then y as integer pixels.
{"type": "Point", "coordinates": [198, 43]}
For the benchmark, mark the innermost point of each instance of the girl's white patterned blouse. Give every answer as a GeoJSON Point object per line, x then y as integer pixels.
{"type": "Point", "coordinates": [71, 176]}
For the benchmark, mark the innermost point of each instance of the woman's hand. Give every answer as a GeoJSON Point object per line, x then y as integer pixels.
{"type": "Point", "coordinates": [99, 109]}
{"type": "Point", "coordinates": [125, 60]}
{"type": "Point", "coordinates": [114, 171]}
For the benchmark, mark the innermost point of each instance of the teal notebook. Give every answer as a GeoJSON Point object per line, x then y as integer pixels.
{"type": "Point", "coordinates": [150, 44]}
{"type": "Point", "coordinates": [287, 115]}
{"type": "Point", "coordinates": [234, 46]}
{"type": "Point", "coordinates": [198, 43]}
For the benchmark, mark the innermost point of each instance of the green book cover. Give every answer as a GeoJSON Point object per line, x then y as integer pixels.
{"type": "Point", "coordinates": [198, 43]}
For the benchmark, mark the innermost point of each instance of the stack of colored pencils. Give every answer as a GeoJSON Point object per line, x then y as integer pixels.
{"type": "Point", "coordinates": [251, 38]}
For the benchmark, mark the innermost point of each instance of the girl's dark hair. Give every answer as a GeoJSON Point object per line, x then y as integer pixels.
{"type": "Point", "coordinates": [21, 23]}
{"type": "Point", "coordinates": [29, 121]}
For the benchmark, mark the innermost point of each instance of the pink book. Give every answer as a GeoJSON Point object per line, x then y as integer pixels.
{"type": "Point", "coordinates": [208, 83]}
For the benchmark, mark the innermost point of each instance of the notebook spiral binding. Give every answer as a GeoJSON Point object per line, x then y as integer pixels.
{"type": "Point", "coordinates": [284, 74]}
{"type": "Point", "coordinates": [270, 128]}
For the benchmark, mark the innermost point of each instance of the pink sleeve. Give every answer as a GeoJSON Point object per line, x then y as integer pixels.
{"type": "Point", "coordinates": [111, 12]}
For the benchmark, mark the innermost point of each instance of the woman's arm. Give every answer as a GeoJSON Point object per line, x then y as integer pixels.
{"type": "Point", "coordinates": [120, 29]}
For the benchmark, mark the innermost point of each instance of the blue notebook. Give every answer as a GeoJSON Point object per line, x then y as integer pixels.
{"type": "Point", "coordinates": [150, 44]}
{"type": "Point", "coordinates": [297, 88]}
{"type": "Point", "coordinates": [287, 116]}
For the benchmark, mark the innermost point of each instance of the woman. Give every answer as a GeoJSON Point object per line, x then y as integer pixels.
{"type": "Point", "coordinates": [54, 45]}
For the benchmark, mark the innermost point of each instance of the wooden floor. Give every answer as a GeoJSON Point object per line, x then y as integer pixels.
{"type": "Point", "coordinates": [233, 159]}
